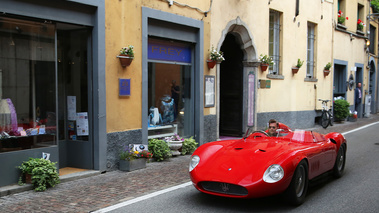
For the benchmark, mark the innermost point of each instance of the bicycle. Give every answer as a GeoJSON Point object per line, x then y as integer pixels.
{"type": "Point", "coordinates": [326, 115]}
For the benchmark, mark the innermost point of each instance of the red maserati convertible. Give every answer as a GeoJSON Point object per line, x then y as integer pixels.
{"type": "Point", "coordinates": [258, 165]}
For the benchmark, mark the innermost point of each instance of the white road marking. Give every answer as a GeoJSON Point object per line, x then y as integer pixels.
{"type": "Point", "coordinates": [357, 129]}
{"type": "Point", "coordinates": [145, 197]}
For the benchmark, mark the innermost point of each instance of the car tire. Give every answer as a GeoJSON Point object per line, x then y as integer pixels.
{"type": "Point", "coordinates": [297, 190]}
{"type": "Point", "coordinates": [339, 165]}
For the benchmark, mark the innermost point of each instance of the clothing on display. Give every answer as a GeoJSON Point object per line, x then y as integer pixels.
{"type": "Point", "coordinates": [167, 107]}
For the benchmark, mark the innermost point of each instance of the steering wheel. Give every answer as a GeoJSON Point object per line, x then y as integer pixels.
{"type": "Point", "coordinates": [258, 133]}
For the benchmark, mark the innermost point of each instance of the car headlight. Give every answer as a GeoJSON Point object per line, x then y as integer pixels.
{"type": "Point", "coordinates": [194, 161]}
{"type": "Point", "coordinates": [273, 173]}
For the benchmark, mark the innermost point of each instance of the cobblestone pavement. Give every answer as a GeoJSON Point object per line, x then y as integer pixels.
{"type": "Point", "coordinates": [92, 193]}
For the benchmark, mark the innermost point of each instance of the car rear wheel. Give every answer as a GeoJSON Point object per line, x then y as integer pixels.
{"type": "Point", "coordinates": [297, 190]}
{"type": "Point", "coordinates": [339, 165]}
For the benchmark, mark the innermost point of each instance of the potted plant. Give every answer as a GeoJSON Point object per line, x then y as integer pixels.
{"type": "Point", "coordinates": [175, 142]}
{"type": "Point", "coordinates": [341, 109]}
{"type": "Point", "coordinates": [341, 19]}
{"type": "Point", "coordinates": [215, 57]}
{"type": "Point", "coordinates": [266, 61]}
{"type": "Point", "coordinates": [327, 69]}
{"type": "Point", "coordinates": [160, 149]}
{"type": "Point", "coordinates": [40, 172]}
{"type": "Point", "coordinates": [360, 25]}
{"type": "Point", "coordinates": [296, 68]}
{"type": "Point", "coordinates": [353, 116]}
{"type": "Point", "coordinates": [126, 55]}
{"type": "Point", "coordinates": [131, 160]}
{"type": "Point", "coordinates": [189, 146]}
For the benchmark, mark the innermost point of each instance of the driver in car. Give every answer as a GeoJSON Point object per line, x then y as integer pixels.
{"type": "Point", "coordinates": [273, 125]}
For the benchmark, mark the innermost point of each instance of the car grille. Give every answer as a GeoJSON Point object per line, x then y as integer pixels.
{"type": "Point", "coordinates": [224, 188]}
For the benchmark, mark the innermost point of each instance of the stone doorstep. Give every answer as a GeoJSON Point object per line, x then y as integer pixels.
{"type": "Point", "coordinates": [15, 188]}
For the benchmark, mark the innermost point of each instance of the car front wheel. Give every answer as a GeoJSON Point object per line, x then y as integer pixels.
{"type": "Point", "coordinates": [297, 190]}
{"type": "Point", "coordinates": [339, 165]}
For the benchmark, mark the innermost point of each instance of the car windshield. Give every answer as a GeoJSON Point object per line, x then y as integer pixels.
{"type": "Point", "coordinates": [304, 136]}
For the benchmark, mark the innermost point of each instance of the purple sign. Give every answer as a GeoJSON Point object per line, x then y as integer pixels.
{"type": "Point", "coordinates": [169, 51]}
{"type": "Point", "coordinates": [251, 91]}
{"type": "Point", "coordinates": [124, 87]}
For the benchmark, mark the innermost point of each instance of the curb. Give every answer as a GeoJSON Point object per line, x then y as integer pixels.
{"type": "Point", "coordinates": [14, 189]}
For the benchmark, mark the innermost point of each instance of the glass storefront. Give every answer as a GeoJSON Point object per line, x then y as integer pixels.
{"type": "Point", "coordinates": [44, 96]}
{"type": "Point", "coordinates": [170, 87]}
{"type": "Point", "coordinates": [27, 85]}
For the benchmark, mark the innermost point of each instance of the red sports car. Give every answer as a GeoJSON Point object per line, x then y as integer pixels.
{"type": "Point", "coordinates": [258, 165]}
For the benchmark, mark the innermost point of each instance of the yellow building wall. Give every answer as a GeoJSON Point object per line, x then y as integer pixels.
{"type": "Point", "coordinates": [123, 27]}
{"type": "Point", "coordinates": [292, 93]}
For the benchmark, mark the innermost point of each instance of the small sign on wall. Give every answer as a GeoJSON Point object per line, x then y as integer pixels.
{"type": "Point", "coordinates": [264, 84]}
{"type": "Point", "coordinates": [124, 87]}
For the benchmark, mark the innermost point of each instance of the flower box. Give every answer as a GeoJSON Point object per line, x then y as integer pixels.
{"type": "Point", "coordinates": [125, 60]}
{"type": "Point", "coordinates": [132, 165]}
{"type": "Point", "coordinates": [211, 63]}
{"type": "Point", "coordinates": [352, 119]}
{"type": "Point", "coordinates": [295, 70]}
{"type": "Point", "coordinates": [264, 67]}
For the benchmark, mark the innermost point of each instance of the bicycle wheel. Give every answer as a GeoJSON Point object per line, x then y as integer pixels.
{"type": "Point", "coordinates": [325, 119]}
{"type": "Point", "coordinates": [331, 120]}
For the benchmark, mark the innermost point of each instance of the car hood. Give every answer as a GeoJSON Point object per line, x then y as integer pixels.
{"type": "Point", "coordinates": [242, 162]}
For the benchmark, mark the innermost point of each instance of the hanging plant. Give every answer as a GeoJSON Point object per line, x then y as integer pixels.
{"type": "Point", "coordinates": [126, 55]}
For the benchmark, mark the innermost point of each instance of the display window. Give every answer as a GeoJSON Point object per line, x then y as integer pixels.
{"type": "Point", "coordinates": [27, 84]}
{"type": "Point", "coordinates": [35, 82]}
{"type": "Point", "coordinates": [170, 83]}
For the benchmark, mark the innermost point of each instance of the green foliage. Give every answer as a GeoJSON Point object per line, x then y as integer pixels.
{"type": "Point", "coordinates": [44, 173]}
{"type": "Point", "coordinates": [159, 149]}
{"type": "Point", "coordinates": [265, 59]}
{"type": "Point", "coordinates": [299, 63]}
{"type": "Point", "coordinates": [375, 6]}
{"type": "Point", "coordinates": [341, 109]}
{"type": "Point", "coordinates": [328, 66]}
{"type": "Point", "coordinates": [189, 146]}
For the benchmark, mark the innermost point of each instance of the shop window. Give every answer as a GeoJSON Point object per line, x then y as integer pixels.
{"type": "Point", "coordinates": [27, 85]}
{"type": "Point", "coordinates": [169, 89]}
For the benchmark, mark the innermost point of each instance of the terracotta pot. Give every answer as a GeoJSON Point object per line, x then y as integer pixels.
{"type": "Point", "coordinates": [28, 178]}
{"type": "Point", "coordinates": [295, 70]}
{"type": "Point", "coordinates": [125, 60]}
{"type": "Point", "coordinates": [264, 67]}
{"type": "Point", "coordinates": [211, 64]}
{"type": "Point", "coordinates": [326, 72]}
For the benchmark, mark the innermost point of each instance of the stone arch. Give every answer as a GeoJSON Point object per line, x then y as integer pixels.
{"type": "Point", "coordinates": [250, 65]}
{"type": "Point", "coordinates": [240, 29]}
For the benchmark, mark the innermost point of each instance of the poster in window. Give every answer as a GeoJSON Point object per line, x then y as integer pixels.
{"type": "Point", "coordinates": [82, 123]}
{"type": "Point", "coordinates": [209, 91]}
{"type": "Point", "coordinates": [71, 108]}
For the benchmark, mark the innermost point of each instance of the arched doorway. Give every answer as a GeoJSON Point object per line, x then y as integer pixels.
{"type": "Point", "coordinates": [231, 88]}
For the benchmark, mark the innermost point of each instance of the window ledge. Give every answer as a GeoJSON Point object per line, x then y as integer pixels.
{"type": "Point", "coordinates": [341, 26]}
{"type": "Point", "coordinates": [360, 32]}
{"type": "Point", "coordinates": [272, 76]}
{"type": "Point", "coordinates": [310, 79]}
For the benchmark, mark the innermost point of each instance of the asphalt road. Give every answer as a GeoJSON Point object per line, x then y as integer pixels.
{"type": "Point", "coordinates": [356, 191]}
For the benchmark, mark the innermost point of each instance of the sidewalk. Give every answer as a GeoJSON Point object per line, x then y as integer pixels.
{"type": "Point", "coordinates": [90, 191]}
